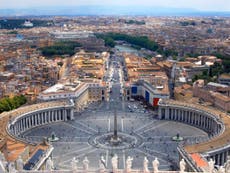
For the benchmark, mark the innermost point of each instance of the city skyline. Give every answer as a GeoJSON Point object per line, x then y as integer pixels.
{"type": "Point", "coordinates": [205, 5]}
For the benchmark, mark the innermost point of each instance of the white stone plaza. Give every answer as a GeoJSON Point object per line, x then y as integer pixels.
{"type": "Point", "coordinates": [142, 136]}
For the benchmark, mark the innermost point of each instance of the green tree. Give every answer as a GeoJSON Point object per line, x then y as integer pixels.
{"type": "Point", "coordinates": [60, 63]}
{"type": "Point", "coordinates": [60, 48]}
{"type": "Point", "coordinates": [140, 41]}
{"type": "Point", "coordinates": [109, 42]}
{"type": "Point", "coordinates": [7, 104]}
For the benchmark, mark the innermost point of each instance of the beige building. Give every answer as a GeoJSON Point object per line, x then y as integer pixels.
{"type": "Point", "coordinates": [90, 65]}
{"type": "Point", "coordinates": [183, 93]}
{"type": "Point", "coordinates": [146, 80]}
{"type": "Point", "coordinates": [151, 88]}
{"type": "Point", "coordinates": [224, 79]}
{"type": "Point", "coordinates": [80, 92]}
{"type": "Point", "coordinates": [213, 96]}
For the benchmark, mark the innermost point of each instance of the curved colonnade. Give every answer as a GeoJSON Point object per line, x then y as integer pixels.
{"type": "Point", "coordinates": [25, 118]}
{"type": "Point", "coordinates": [214, 122]}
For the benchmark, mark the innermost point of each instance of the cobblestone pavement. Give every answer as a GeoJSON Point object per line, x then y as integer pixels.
{"type": "Point", "coordinates": [154, 137]}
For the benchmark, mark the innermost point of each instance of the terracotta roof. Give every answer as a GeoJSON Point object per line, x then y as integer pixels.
{"type": "Point", "coordinates": [14, 149]}
{"type": "Point", "coordinates": [199, 160]}
{"type": "Point", "coordinates": [186, 86]}
{"type": "Point", "coordinates": [220, 96]}
{"type": "Point", "coordinates": [225, 76]}
{"type": "Point", "coordinates": [184, 64]}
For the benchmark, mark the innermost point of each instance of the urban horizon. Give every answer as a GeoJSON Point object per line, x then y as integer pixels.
{"type": "Point", "coordinates": [100, 10]}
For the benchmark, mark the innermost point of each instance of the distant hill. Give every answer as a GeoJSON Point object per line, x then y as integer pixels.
{"type": "Point", "coordinates": [108, 10]}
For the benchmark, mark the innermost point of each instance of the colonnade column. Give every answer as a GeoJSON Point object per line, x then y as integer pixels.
{"type": "Point", "coordinates": [20, 124]}
{"type": "Point", "coordinates": [186, 117]}
{"type": "Point", "coordinates": [48, 116]}
{"type": "Point", "coordinates": [195, 117]}
{"type": "Point", "coordinates": [208, 121]}
{"type": "Point", "coordinates": [159, 113]}
{"type": "Point", "coordinates": [33, 124]}
{"type": "Point", "coordinates": [65, 115]}
{"type": "Point", "coordinates": [16, 127]}
{"type": "Point", "coordinates": [52, 115]}
{"type": "Point", "coordinates": [71, 114]}
{"type": "Point", "coordinates": [56, 115]}
{"type": "Point", "coordinates": [42, 118]}
{"type": "Point", "coordinates": [183, 115]}
{"type": "Point", "coordinates": [27, 123]}
{"type": "Point", "coordinates": [24, 124]}
{"type": "Point", "coordinates": [173, 113]}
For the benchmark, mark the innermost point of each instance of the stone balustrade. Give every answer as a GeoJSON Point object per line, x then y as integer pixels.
{"type": "Point", "coordinates": [74, 168]}
{"type": "Point", "coordinates": [44, 158]}
{"type": "Point", "coordinates": [97, 171]}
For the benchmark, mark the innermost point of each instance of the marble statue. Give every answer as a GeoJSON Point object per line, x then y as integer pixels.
{"type": "Point", "coordinates": [12, 168]}
{"type": "Point", "coordinates": [102, 166]}
{"type": "Point", "coordinates": [227, 165]}
{"type": "Point", "coordinates": [74, 163]}
{"type": "Point", "coordinates": [182, 165]}
{"type": "Point", "coordinates": [2, 167]}
{"type": "Point", "coordinates": [211, 164]}
{"type": "Point", "coordinates": [49, 164]}
{"type": "Point", "coordinates": [2, 163]}
{"type": "Point", "coordinates": [155, 165]}
{"type": "Point", "coordinates": [85, 163]}
{"type": "Point", "coordinates": [129, 164]}
{"type": "Point", "coordinates": [145, 165]}
{"type": "Point", "coordinates": [19, 163]}
{"type": "Point", "coordinates": [114, 161]}
{"type": "Point", "coordinates": [221, 169]}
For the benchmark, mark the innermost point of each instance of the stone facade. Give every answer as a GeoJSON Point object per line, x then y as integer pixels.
{"type": "Point", "coordinates": [214, 122]}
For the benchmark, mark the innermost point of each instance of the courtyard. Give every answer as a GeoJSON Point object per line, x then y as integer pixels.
{"type": "Point", "coordinates": [142, 135]}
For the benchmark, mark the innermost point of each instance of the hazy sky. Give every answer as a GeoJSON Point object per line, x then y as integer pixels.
{"type": "Point", "coordinates": [206, 5]}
